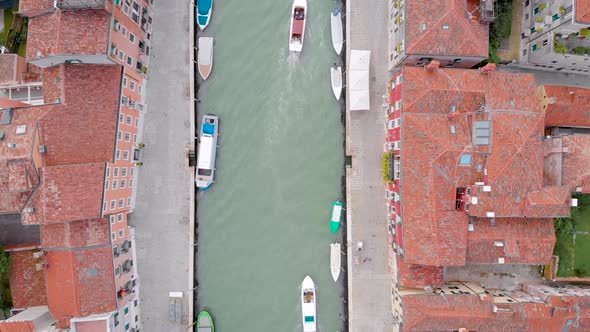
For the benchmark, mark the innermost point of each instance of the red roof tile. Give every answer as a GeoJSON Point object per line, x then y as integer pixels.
{"type": "Point", "coordinates": [575, 171]}
{"type": "Point", "coordinates": [11, 68]}
{"type": "Point", "coordinates": [435, 232]}
{"type": "Point", "coordinates": [68, 32]}
{"type": "Point", "coordinates": [21, 326]}
{"type": "Point", "coordinates": [464, 37]}
{"type": "Point", "coordinates": [83, 233]}
{"type": "Point", "coordinates": [35, 5]}
{"type": "Point", "coordinates": [566, 106]}
{"type": "Point", "coordinates": [80, 283]}
{"type": "Point", "coordinates": [418, 276]}
{"type": "Point", "coordinates": [67, 193]}
{"type": "Point", "coordinates": [27, 285]}
{"type": "Point", "coordinates": [582, 11]}
{"type": "Point", "coordinates": [525, 241]}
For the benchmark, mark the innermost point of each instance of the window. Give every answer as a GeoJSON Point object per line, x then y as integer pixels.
{"type": "Point", "coordinates": [129, 120]}
{"type": "Point", "coordinates": [116, 172]}
{"type": "Point", "coordinates": [554, 61]}
{"type": "Point", "coordinates": [139, 89]}
{"type": "Point", "coordinates": [117, 272]}
{"type": "Point", "coordinates": [524, 52]}
{"type": "Point", "coordinates": [121, 233]}
{"type": "Point", "coordinates": [115, 184]}
{"type": "Point", "coordinates": [118, 155]}
{"type": "Point", "coordinates": [132, 85]}
{"type": "Point", "coordinates": [465, 159]}
{"type": "Point", "coordinates": [526, 16]}
{"type": "Point", "coordinates": [121, 117]}
{"type": "Point", "coordinates": [131, 37]}
{"type": "Point", "coordinates": [129, 199]}
{"type": "Point", "coordinates": [536, 10]}
{"type": "Point", "coordinates": [104, 205]}
{"type": "Point", "coordinates": [130, 183]}
{"type": "Point", "coordinates": [112, 219]}
{"type": "Point", "coordinates": [123, 171]}
{"type": "Point", "coordinates": [545, 42]}
{"type": "Point", "coordinates": [113, 204]}
{"type": "Point", "coordinates": [127, 137]}
{"type": "Point", "coordinates": [129, 60]}
{"type": "Point", "coordinates": [125, 82]}
{"type": "Point", "coordinates": [121, 55]}
{"type": "Point", "coordinates": [136, 318]}
{"type": "Point", "coordinates": [124, 101]}
{"type": "Point", "coordinates": [123, 184]}
{"type": "Point", "coordinates": [127, 327]}
{"type": "Point", "coordinates": [137, 122]}
{"type": "Point", "coordinates": [125, 155]}
{"type": "Point", "coordinates": [113, 236]}
{"type": "Point", "coordinates": [131, 169]}
{"type": "Point", "coordinates": [135, 304]}
{"type": "Point", "coordinates": [134, 138]}
{"type": "Point", "coordinates": [106, 185]}
{"type": "Point", "coordinates": [126, 310]}
{"type": "Point", "coordinates": [121, 203]}
{"type": "Point", "coordinates": [123, 31]}
{"type": "Point", "coordinates": [119, 135]}
{"type": "Point", "coordinates": [108, 172]}
{"type": "Point", "coordinates": [126, 9]}
{"type": "Point", "coordinates": [120, 217]}
{"type": "Point", "coordinates": [135, 14]}
{"type": "Point", "coordinates": [534, 48]}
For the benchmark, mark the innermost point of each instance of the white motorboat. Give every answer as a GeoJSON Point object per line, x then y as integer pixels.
{"type": "Point", "coordinates": [205, 174]}
{"type": "Point", "coordinates": [335, 260]}
{"type": "Point", "coordinates": [205, 57]}
{"type": "Point", "coordinates": [297, 30]}
{"type": "Point", "coordinates": [308, 305]}
{"type": "Point", "coordinates": [336, 78]}
{"type": "Point", "coordinates": [336, 25]}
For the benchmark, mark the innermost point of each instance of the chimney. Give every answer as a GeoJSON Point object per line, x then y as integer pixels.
{"type": "Point", "coordinates": [490, 67]}
{"type": "Point", "coordinates": [432, 65]}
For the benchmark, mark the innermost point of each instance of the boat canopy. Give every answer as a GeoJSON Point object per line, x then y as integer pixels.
{"type": "Point", "coordinates": [208, 128]}
{"type": "Point", "coordinates": [206, 149]}
{"type": "Point", "coordinates": [203, 6]}
{"type": "Point", "coordinates": [309, 319]}
{"type": "Point", "coordinates": [336, 212]}
{"type": "Point", "coordinates": [358, 85]}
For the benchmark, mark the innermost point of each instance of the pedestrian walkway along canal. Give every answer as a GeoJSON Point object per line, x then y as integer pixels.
{"type": "Point", "coordinates": [264, 225]}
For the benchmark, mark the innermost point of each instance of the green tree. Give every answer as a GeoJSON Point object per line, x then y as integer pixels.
{"type": "Point", "coordinates": [559, 47]}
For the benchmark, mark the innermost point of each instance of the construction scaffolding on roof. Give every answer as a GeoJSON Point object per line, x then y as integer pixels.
{"type": "Point", "coordinates": [80, 4]}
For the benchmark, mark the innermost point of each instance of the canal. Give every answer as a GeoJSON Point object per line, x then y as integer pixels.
{"type": "Point", "coordinates": [264, 225]}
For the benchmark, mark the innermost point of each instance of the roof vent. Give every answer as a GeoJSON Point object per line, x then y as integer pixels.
{"type": "Point", "coordinates": [574, 202]}
{"type": "Point", "coordinates": [6, 116]}
{"type": "Point", "coordinates": [423, 26]}
{"type": "Point", "coordinates": [42, 148]}
{"type": "Point", "coordinates": [22, 129]}
{"type": "Point", "coordinates": [29, 210]}
{"type": "Point", "coordinates": [498, 243]}
{"type": "Point", "coordinates": [12, 145]}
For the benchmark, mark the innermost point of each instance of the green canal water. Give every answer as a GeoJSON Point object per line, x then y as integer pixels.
{"type": "Point", "coordinates": [264, 225]}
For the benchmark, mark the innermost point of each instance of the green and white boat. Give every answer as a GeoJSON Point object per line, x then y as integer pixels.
{"type": "Point", "coordinates": [336, 215]}
{"type": "Point", "coordinates": [205, 322]}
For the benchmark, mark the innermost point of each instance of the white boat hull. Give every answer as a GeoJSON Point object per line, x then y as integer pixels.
{"type": "Point", "coordinates": [308, 305]}
{"type": "Point", "coordinates": [205, 56]}
{"type": "Point", "coordinates": [335, 260]}
{"type": "Point", "coordinates": [205, 170]}
{"type": "Point", "coordinates": [336, 78]}
{"type": "Point", "coordinates": [337, 35]}
{"type": "Point", "coordinates": [297, 29]}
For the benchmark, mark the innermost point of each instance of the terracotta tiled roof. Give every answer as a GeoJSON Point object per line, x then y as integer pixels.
{"type": "Point", "coordinates": [68, 32]}
{"type": "Point", "coordinates": [35, 5]}
{"type": "Point", "coordinates": [87, 117]}
{"type": "Point", "coordinates": [83, 233]}
{"type": "Point", "coordinates": [27, 285]}
{"type": "Point", "coordinates": [566, 106]}
{"type": "Point", "coordinates": [582, 11]}
{"type": "Point", "coordinates": [67, 193]}
{"type": "Point", "coordinates": [464, 37]}
{"type": "Point", "coordinates": [418, 276]}
{"type": "Point", "coordinates": [80, 283]}
{"type": "Point", "coordinates": [22, 326]}
{"type": "Point", "coordinates": [435, 232]}
{"type": "Point", "coordinates": [525, 241]}
{"type": "Point", "coordinates": [575, 171]}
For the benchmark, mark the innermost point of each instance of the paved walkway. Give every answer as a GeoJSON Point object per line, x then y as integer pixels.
{"type": "Point", "coordinates": [164, 210]}
{"type": "Point", "coordinates": [369, 280]}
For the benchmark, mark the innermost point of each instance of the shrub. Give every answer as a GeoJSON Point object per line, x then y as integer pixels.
{"type": "Point", "coordinates": [559, 47]}
{"type": "Point", "coordinates": [543, 5]}
{"type": "Point", "coordinates": [585, 33]}
{"type": "Point", "coordinates": [561, 10]}
{"type": "Point", "coordinates": [581, 50]}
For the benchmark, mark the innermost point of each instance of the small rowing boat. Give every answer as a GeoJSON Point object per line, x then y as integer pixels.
{"type": "Point", "coordinates": [308, 305]}
{"type": "Point", "coordinates": [205, 322]}
{"type": "Point", "coordinates": [204, 11]}
{"type": "Point", "coordinates": [336, 78]}
{"type": "Point", "coordinates": [297, 31]}
{"type": "Point", "coordinates": [337, 208]}
{"type": "Point", "coordinates": [205, 57]}
{"type": "Point", "coordinates": [336, 25]}
{"type": "Point", "coordinates": [205, 174]}
{"type": "Point", "coordinates": [335, 260]}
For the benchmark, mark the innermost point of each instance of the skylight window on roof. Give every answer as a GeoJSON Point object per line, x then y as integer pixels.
{"type": "Point", "coordinates": [445, 26]}
{"type": "Point", "coordinates": [423, 26]}
{"type": "Point", "coordinates": [465, 159]}
{"type": "Point", "coordinates": [21, 129]}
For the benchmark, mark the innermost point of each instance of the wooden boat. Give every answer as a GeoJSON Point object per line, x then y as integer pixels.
{"type": "Point", "coordinates": [336, 78]}
{"type": "Point", "coordinates": [297, 30]}
{"type": "Point", "coordinates": [336, 25]}
{"type": "Point", "coordinates": [205, 60]}
{"type": "Point", "coordinates": [204, 11]}
{"type": "Point", "coordinates": [335, 260]}
{"type": "Point", "coordinates": [337, 208]}
{"type": "Point", "coordinates": [308, 305]}
{"type": "Point", "coordinates": [205, 173]}
{"type": "Point", "coordinates": [205, 322]}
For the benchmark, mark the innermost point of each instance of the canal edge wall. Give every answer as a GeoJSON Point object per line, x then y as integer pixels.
{"type": "Point", "coordinates": [192, 150]}
{"type": "Point", "coordinates": [348, 170]}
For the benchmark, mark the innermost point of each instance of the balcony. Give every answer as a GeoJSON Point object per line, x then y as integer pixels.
{"type": "Point", "coordinates": [81, 4]}
{"type": "Point", "coordinates": [577, 43]}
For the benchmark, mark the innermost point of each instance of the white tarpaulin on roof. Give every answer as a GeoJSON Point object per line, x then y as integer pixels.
{"type": "Point", "coordinates": [358, 80]}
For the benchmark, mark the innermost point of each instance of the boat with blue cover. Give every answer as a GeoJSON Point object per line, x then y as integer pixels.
{"type": "Point", "coordinates": [204, 11]}
{"type": "Point", "coordinates": [205, 173]}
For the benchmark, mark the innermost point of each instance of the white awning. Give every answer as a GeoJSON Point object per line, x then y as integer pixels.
{"type": "Point", "coordinates": [358, 80]}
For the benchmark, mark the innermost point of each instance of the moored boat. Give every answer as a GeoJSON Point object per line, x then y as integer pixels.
{"type": "Point", "coordinates": [335, 260]}
{"type": "Point", "coordinates": [205, 173]}
{"type": "Point", "coordinates": [205, 322]}
{"type": "Point", "coordinates": [308, 305]}
{"type": "Point", "coordinates": [205, 56]}
{"type": "Point", "coordinates": [297, 31]}
{"type": "Point", "coordinates": [337, 208]}
{"type": "Point", "coordinates": [204, 11]}
{"type": "Point", "coordinates": [336, 78]}
{"type": "Point", "coordinates": [336, 25]}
